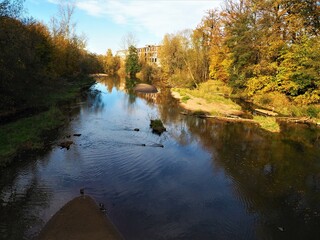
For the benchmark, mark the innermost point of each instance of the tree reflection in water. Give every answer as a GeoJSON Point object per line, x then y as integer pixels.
{"type": "Point", "coordinates": [276, 176]}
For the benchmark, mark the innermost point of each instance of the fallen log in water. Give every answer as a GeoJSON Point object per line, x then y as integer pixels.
{"type": "Point", "coordinates": [307, 121]}
{"type": "Point", "coordinates": [266, 112]}
{"type": "Point", "coordinates": [231, 119]}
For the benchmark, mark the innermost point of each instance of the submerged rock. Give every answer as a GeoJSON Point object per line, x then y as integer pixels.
{"type": "Point", "coordinates": [145, 88]}
{"type": "Point", "coordinates": [157, 126]}
{"type": "Point", "coordinates": [65, 144]}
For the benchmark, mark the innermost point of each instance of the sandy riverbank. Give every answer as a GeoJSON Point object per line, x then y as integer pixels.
{"type": "Point", "coordinates": [200, 104]}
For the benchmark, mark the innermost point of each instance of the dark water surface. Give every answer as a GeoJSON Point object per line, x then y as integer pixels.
{"type": "Point", "coordinates": [212, 180]}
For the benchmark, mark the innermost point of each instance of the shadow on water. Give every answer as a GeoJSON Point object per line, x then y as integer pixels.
{"type": "Point", "coordinates": [276, 178]}
{"type": "Point", "coordinates": [20, 203]}
{"type": "Point", "coordinates": [212, 179]}
{"type": "Point", "coordinates": [23, 195]}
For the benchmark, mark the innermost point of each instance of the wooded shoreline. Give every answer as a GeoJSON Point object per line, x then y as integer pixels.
{"type": "Point", "coordinates": [218, 107]}
{"type": "Point", "coordinates": [26, 132]}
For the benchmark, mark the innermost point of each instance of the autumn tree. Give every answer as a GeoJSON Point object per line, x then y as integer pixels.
{"type": "Point", "coordinates": [265, 46]}
{"type": "Point", "coordinates": [33, 58]}
{"type": "Point", "coordinates": [171, 55]}
{"type": "Point", "coordinates": [204, 37]}
{"type": "Point", "coordinates": [111, 63]}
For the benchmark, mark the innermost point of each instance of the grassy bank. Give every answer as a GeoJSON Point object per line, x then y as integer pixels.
{"type": "Point", "coordinates": [210, 97]}
{"type": "Point", "coordinates": [282, 104]}
{"type": "Point", "coordinates": [28, 133]}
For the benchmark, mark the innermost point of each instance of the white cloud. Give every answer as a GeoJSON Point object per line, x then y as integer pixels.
{"type": "Point", "coordinates": [149, 20]}
{"type": "Point", "coordinates": [156, 16]}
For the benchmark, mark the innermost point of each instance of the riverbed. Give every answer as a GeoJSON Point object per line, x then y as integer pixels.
{"type": "Point", "coordinates": [210, 180]}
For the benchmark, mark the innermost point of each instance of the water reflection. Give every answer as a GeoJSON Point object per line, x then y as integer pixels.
{"type": "Point", "coordinates": [20, 203]}
{"type": "Point", "coordinates": [212, 180]}
{"type": "Point", "coordinates": [273, 177]}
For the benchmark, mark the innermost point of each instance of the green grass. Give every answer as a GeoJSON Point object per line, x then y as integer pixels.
{"type": "Point", "coordinates": [26, 133]}
{"type": "Point", "coordinates": [69, 91]}
{"type": "Point", "coordinates": [268, 123]}
{"type": "Point", "coordinates": [185, 99]}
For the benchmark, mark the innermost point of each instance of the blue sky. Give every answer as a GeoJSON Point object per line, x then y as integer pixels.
{"type": "Point", "coordinates": [106, 22]}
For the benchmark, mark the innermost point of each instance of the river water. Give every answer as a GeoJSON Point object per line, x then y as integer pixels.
{"type": "Point", "coordinates": [211, 180]}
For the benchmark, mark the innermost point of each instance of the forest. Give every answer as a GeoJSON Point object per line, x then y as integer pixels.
{"type": "Point", "coordinates": [268, 51]}
{"type": "Point", "coordinates": [37, 60]}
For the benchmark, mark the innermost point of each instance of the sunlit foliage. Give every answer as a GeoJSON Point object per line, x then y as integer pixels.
{"type": "Point", "coordinates": [111, 64]}
{"type": "Point", "coordinates": [33, 55]}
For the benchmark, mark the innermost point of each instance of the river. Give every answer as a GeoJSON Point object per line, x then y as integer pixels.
{"type": "Point", "coordinates": [211, 180]}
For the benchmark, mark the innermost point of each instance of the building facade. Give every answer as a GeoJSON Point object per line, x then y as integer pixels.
{"type": "Point", "coordinates": [148, 54]}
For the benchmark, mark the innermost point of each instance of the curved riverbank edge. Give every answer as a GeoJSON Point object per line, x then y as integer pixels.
{"type": "Point", "coordinates": [80, 219]}
{"type": "Point", "coordinates": [227, 113]}
{"type": "Point", "coordinates": [196, 104]}
{"type": "Point", "coordinates": [31, 133]}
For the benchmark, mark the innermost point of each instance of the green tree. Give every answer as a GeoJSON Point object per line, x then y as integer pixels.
{"type": "Point", "coordinates": [132, 64]}
{"type": "Point", "coordinates": [299, 71]}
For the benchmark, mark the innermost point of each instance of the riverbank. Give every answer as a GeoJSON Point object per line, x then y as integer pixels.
{"type": "Point", "coordinates": [208, 98]}
{"type": "Point", "coordinates": [212, 99]}
{"type": "Point", "coordinates": [28, 133]}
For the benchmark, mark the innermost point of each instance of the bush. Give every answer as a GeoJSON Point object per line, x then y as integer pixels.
{"type": "Point", "coordinates": [181, 80]}
{"type": "Point", "coordinates": [148, 73]}
{"type": "Point", "coordinates": [313, 111]}
{"type": "Point", "coordinates": [273, 100]}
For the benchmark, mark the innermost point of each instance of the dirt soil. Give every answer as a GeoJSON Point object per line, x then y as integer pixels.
{"type": "Point", "coordinates": [79, 219]}
{"type": "Point", "coordinates": [199, 104]}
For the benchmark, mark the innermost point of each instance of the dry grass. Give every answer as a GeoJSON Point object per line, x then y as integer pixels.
{"type": "Point", "coordinates": [280, 103]}
{"type": "Point", "coordinates": [208, 97]}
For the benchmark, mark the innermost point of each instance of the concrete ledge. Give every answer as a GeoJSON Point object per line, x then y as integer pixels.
{"type": "Point", "coordinates": [79, 219]}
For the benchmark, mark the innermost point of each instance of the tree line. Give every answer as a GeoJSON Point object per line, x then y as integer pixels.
{"type": "Point", "coordinates": [257, 47]}
{"type": "Point", "coordinates": [33, 54]}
